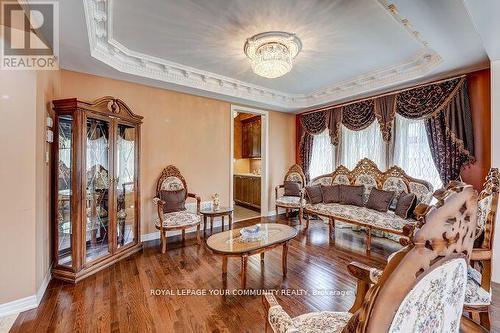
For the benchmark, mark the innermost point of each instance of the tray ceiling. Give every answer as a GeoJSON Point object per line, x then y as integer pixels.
{"type": "Point", "coordinates": [349, 47]}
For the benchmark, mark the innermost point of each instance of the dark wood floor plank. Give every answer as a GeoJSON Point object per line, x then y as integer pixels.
{"type": "Point", "coordinates": [119, 298]}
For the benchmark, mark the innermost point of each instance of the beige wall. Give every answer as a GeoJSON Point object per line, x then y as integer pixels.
{"type": "Point", "coordinates": [24, 175]}
{"type": "Point", "coordinates": [17, 176]}
{"type": "Point", "coordinates": [188, 131]}
{"type": "Point", "coordinates": [48, 88]}
{"type": "Point", "coordinates": [495, 155]}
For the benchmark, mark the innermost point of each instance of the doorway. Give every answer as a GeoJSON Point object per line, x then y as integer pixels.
{"type": "Point", "coordinates": [248, 162]}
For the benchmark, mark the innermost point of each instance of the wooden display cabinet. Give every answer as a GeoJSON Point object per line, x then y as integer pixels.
{"type": "Point", "coordinates": [95, 186]}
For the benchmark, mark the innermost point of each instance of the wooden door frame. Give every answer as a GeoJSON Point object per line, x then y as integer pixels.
{"type": "Point", "coordinates": [264, 182]}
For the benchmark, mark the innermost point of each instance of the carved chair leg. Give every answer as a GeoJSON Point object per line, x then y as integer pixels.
{"type": "Point", "coordinates": [307, 221]}
{"type": "Point", "coordinates": [287, 214]}
{"type": "Point", "coordinates": [277, 213]}
{"type": "Point", "coordinates": [368, 239]}
{"type": "Point", "coordinates": [300, 215]}
{"type": "Point", "coordinates": [163, 241]}
{"type": "Point", "coordinates": [183, 235]}
{"type": "Point", "coordinates": [198, 239]}
{"type": "Point", "coordinates": [330, 227]}
{"type": "Point", "coordinates": [484, 319]}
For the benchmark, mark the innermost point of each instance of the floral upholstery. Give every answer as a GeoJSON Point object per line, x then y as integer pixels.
{"type": "Point", "coordinates": [423, 194]}
{"type": "Point", "coordinates": [395, 184]}
{"type": "Point", "coordinates": [289, 201]}
{"type": "Point", "coordinates": [475, 295]}
{"type": "Point", "coordinates": [368, 181]}
{"type": "Point", "coordinates": [172, 184]}
{"type": "Point", "coordinates": [387, 220]}
{"type": "Point", "coordinates": [483, 210]}
{"type": "Point", "coordinates": [341, 179]}
{"type": "Point", "coordinates": [314, 322]}
{"type": "Point", "coordinates": [435, 303]}
{"type": "Point", "coordinates": [322, 322]}
{"type": "Point", "coordinates": [178, 219]}
{"type": "Point", "coordinates": [294, 177]}
{"type": "Point", "coordinates": [322, 181]}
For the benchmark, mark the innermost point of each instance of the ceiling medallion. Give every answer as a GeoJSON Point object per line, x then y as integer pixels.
{"type": "Point", "coordinates": [271, 53]}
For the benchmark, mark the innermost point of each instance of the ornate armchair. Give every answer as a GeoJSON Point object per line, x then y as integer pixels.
{"type": "Point", "coordinates": [294, 174]}
{"type": "Point", "coordinates": [171, 180]}
{"type": "Point", "coordinates": [478, 295]}
{"type": "Point", "coordinates": [422, 288]}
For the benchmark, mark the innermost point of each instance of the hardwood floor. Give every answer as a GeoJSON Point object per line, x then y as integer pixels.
{"type": "Point", "coordinates": [127, 297]}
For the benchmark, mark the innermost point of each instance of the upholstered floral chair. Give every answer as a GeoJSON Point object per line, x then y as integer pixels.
{"type": "Point", "coordinates": [478, 295]}
{"type": "Point", "coordinates": [292, 200]}
{"type": "Point", "coordinates": [171, 194]}
{"type": "Point", "coordinates": [422, 288]}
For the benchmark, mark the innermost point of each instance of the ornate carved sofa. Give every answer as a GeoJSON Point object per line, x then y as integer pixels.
{"type": "Point", "coordinates": [171, 180]}
{"type": "Point", "coordinates": [367, 174]}
{"type": "Point", "coordinates": [478, 295]}
{"type": "Point", "coordinates": [422, 288]}
{"type": "Point", "coordinates": [294, 174]}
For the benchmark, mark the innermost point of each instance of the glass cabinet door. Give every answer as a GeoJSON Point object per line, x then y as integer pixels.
{"type": "Point", "coordinates": [125, 183]}
{"type": "Point", "coordinates": [97, 170]}
{"type": "Point", "coordinates": [64, 191]}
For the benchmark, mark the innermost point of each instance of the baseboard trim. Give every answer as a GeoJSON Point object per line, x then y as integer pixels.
{"type": "Point", "coordinates": [26, 303]}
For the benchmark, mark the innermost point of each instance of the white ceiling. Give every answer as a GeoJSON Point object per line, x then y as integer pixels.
{"type": "Point", "coordinates": [351, 48]}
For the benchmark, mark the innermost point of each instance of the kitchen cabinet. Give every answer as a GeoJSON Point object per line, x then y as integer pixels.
{"type": "Point", "coordinates": [246, 191]}
{"type": "Point", "coordinates": [251, 137]}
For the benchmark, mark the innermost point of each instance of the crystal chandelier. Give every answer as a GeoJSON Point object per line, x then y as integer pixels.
{"type": "Point", "coordinates": [271, 53]}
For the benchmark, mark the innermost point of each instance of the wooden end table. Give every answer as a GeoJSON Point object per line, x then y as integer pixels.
{"type": "Point", "coordinates": [210, 213]}
{"type": "Point", "coordinates": [231, 244]}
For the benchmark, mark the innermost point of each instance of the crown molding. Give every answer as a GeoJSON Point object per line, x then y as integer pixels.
{"type": "Point", "coordinates": [103, 47]}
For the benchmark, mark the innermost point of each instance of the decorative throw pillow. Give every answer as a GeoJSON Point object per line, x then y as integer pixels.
{"type": "Point", "coordinates": [292, 189]}
{"type": "Point", "coordinates": [406, 205]}
{"type": "Point", "coordinates": [330, 193]}
{"type": "Point", "coordinates": [175, 201]}
{"type": "Point", "coordinates": [380, 200]}
{"type": "Point", "coordinates": [314, 194]}
{"type": "Point", "coordinates": [352, 195]}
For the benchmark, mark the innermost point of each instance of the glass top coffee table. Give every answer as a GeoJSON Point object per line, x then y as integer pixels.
{"type": "Point", "coordinates": [231, 244]}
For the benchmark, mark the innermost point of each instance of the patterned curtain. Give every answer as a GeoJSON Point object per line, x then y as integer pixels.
{"type": "Point", "coordinates": [312, 124]}
{"type": "Point", "coordinates": [444, 106]}
{"type": "Point", "coordinates": [450, 136]}
{"type": "Point", "coordinates": [385, 111]}
{"type": "Point", "coordinates": [358, 116]}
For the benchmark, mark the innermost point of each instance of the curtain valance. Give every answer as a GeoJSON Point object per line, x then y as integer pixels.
{"type": "Point", "coordinates": [444, 106]}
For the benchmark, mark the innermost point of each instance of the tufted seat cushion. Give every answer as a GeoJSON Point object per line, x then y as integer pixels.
{"type": "Point", "coordinates": [322, 322]}
{"type": "Point", "coordinates": [177, 219]}
{"type": "Point", "coordinates": [313, 322]}
{"type": "Point", "coordinates": [475, 295]}
{"type": "Point", "coordinates": [289, 201]}
{"type": "Point", "coordinates": [386, 220]}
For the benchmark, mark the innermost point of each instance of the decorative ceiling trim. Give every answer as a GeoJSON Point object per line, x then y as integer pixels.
{"type": "Point", "coordinates": [103, 47]}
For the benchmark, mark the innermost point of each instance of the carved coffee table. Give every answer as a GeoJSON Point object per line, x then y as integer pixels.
{"type": "Point", "coordinates": [231, 244]}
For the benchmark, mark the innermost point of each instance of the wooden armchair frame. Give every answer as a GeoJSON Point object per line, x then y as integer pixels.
{"type": "Point", "coordinates": [379, 294]}
{"type": "Point", "coordinates": [483, 249]}
{"type": "Point", "coordinates": [172, 171]}
{"type": "Point", "coordinates": [298, 170]}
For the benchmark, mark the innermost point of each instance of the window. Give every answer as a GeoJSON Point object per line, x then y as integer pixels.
{"type": "Point", "coordinates": [323, 155]}
{"type": "Point", "coordinates": [412, 152]}
{"type": "Point", "coordinates": [356, 145]}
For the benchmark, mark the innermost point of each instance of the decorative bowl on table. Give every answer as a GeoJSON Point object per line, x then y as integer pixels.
{"type": "Point", "coordinates": [251, 233]}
